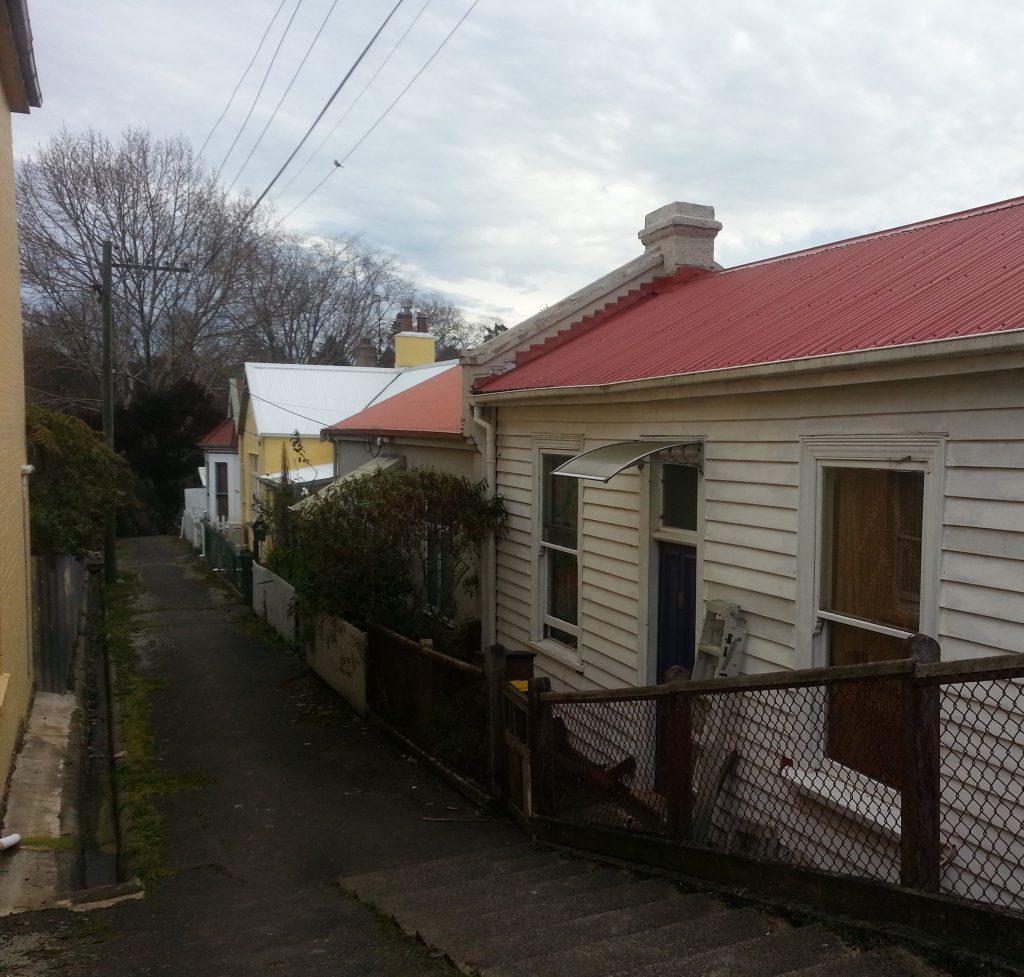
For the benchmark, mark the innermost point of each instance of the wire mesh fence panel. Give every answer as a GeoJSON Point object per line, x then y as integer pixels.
{"type": "Point", "coordinates": [231, 559]}
{"type": "Point", "coordinates": [982, 759]}
{"type": "Point", "coordinates": [601, 765]}
{"type": "Point", "coordinates": [767, 783]}
{"type": "Point", "coordinates": [825, 771]}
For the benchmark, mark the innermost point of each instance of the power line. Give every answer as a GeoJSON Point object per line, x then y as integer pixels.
{"type": "Point", "coordinates": [248, 68]}
{"type": "Point", "coordinates": [355, 101]}
{"type": "Point", "coordinates": [288, 408]}
{"type": "Point", "coordinates": [259, 91]}
{"type": "Point", "coordinates": [338, 164]}
{"type": "Point", "coordinates": [277, 107]}
{"type": "Point", "coordinates": [323, 111]}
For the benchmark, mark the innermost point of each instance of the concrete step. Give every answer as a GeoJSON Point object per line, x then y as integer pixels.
{"type": "Point", "coordinates": [438, 909]}
{"type": "Point", "coordinates": [543, 904]}
{"type": "Point", "coordinates": [523, 912]}
{"type": "Point", "coordinates": [885, 962]}
{"type": "Point", "coordinates": [765, 956]}
{"type": "Point", "coordinates": [553, 933]}
{"type": "Point", "coordinates": [443, 871]}
{"type": "Point", "coordinates": [638, 950]}
{"type": "Point", "coordinates": [401, 898]}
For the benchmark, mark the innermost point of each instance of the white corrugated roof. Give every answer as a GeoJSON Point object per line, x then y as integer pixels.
{"type": "Point", "coordinates": [381, 463]}
{"type": "Point", "coordinates": [289, 397]}
{"type": "Point", "coordinates": [302, 476]}
{"type": "Point", "coordinates": [407, 379]}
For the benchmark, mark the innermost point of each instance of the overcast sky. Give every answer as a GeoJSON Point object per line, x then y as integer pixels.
{"type": "Point", "coordinates": [521, 164]}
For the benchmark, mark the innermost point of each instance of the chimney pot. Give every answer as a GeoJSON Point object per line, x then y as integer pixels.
{"type": "Point", "coordinates": [422, 323]}
{"type": "Point", "coordinates": [404, 318]}
{"type": "Point", "coordinates": [684, 233]}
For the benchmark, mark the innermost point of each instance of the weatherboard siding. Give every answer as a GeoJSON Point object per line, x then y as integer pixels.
{"type": "Point", "coordinates": [751, 552]}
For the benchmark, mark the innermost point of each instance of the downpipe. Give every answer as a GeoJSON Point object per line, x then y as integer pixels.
{"type": "Point", "coordinates": [488, 596]}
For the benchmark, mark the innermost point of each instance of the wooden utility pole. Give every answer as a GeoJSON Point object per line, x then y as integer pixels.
{"type": "Point", "coordinates": [109, 517]}
{"type": "Point", "coordinates": [106, 305]}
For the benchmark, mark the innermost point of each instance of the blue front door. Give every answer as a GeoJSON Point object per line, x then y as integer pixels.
{"type": "Point", "coordinates": [677, 606]}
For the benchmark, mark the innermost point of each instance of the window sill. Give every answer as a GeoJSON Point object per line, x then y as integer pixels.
{"type": "Point", "coordinates": [851, 794]}
{"type": "Point", "coordinates": [560, 653]}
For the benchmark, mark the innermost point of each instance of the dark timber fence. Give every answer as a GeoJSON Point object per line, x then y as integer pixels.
{"type": "Point", "coordinates": [437, 702]}
{"type": "Point", "coordinates": [892, 789]}
{"type": "Point", "coordinates": [58, 591]}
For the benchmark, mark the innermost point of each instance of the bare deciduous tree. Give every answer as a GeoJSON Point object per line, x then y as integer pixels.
{"type": "Point", "coordinates": [312, 301]}
{"type": "Point", "coordinates": [250, 292]}
{"type": "Point", "coordinates": [159, 206]}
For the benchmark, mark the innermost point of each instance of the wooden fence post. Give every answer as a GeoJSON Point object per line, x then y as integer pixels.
{"type": "Point", "coordinates": [494, 666]}
{"type": "Point", "coordinates": [539, 737]}
{"type": "Point", "coordinates": [920, 796]}
{"type": "Point", "coordinates": [245, 575]}
{"type": "Point", "coordinates": [679, 765]}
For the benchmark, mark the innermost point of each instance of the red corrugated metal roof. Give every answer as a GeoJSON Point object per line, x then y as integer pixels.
{"type": "Point", "coordinates": [954, 276]}
{"type": "Point", "coordinates": [222, 435]}
{"type": "Point", "coordinates": [431, 407]}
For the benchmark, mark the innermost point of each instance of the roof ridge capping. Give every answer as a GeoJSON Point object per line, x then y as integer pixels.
{"type": "Point", "coordinates": [676, 235]}
{"type": "Point", "coordinates": [324, 367]}
{"type": "Point", "coordinates": [641, 293]}
{"type": "Point", "coordinates": [919, 225]}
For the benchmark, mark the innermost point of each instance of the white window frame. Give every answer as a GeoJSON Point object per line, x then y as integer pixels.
{"type": "Point", "coordinates": [573, 657]}
{"type": "Point", "coordinates": [255, 489]}
{"type": "Point", "coordinates": [672, 534]}
{"type": "Point", "coordinates": [912, 452]}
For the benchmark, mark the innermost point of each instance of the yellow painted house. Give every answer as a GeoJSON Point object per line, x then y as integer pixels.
{"type": "Point", "coordinates": [285, 406]}
{"type": "Point", "coordinates": [20, 91]}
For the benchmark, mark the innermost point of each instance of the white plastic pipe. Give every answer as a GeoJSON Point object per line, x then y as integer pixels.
{"type": "Point", "coordinates": [9, 841]}
{"type": "Point", "coordinates": [488, 595]}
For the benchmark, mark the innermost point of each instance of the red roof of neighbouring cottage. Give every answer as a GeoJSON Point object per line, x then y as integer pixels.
{"type": "Point", "coordinates": [945, 278]}
{"type": "Point", "coordinates": [433, 407]}
{"type": "Point", "coordinates": [223, 435]}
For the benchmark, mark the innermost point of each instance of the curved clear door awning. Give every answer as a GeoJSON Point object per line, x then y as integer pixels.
{"type": "Point", "coordinates": [601, 464]}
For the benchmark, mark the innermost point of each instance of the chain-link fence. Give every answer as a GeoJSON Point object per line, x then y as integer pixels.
{"type": "Point", "coordinates": [904, 772]}
{"type": "Point", "coordinates": [231, 559]}
{"type": "Point", "coordinates": [982, 785]}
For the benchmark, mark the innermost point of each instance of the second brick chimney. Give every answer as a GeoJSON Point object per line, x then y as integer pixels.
{"type": "Point", "coordinates": [365, 353]}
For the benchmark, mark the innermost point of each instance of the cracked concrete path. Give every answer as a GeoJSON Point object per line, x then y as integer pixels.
{"type": "Point", "coordinates": [296, 791]}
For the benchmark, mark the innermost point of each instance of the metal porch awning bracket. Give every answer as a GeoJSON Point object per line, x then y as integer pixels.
{"type": "Point", "coordinates": [604, 463]}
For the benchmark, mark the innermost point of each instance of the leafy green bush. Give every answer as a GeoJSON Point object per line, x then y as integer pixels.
{"type": "Point", "coordinates": [77, 479]}
{"type": "Point", "coordinates": [393, 547]}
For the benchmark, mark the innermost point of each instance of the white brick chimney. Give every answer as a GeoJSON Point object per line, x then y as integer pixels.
{"type": "Point", "coordinates": [683, 233]}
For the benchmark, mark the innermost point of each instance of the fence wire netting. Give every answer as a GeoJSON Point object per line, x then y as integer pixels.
{"type": "Point", "coordinates": [982, 777]}
{"type": "Point", "coordinates": [811, 775]}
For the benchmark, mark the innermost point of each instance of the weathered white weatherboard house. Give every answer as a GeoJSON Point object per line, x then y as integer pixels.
{"type": "Point", "coordinates": [830, 441]}
{"type": "Point", "coordinates": [823, 450]}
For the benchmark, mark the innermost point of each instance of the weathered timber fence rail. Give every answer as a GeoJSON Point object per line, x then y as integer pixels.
{"type": "Point", "coordinates": [437, 702]}
{"type": "Point", "coordinates": [769, 771]}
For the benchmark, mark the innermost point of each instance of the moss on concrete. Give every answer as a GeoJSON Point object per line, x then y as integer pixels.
{"type": "Point", "coordinates": [137, 780]}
